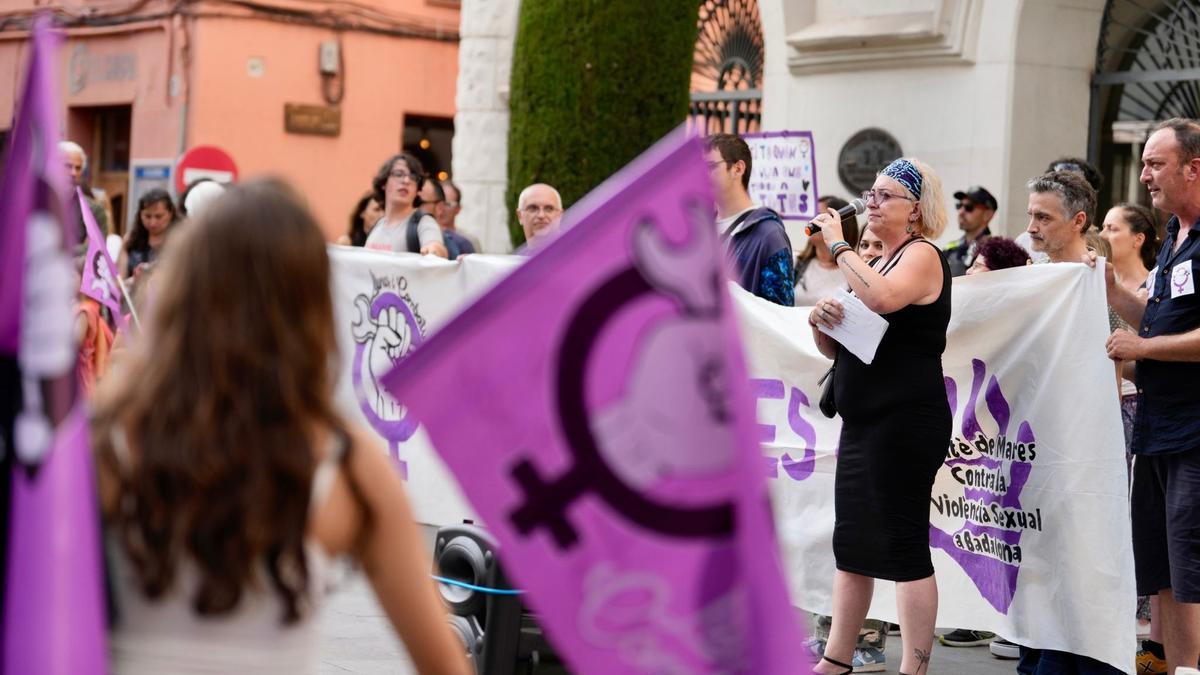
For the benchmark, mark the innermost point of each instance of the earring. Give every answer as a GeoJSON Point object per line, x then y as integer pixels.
{"type": "Point", "coordinates": [909, 229]}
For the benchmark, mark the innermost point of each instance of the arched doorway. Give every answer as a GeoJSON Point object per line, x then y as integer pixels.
{"type": "Point", "coordinates": [1147, 70]}
{"type": "Point", "coordinates": [726, 90]}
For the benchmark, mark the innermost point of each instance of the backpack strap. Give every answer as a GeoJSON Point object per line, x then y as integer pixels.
{"type": "Point", "coordinates": [411, 235]}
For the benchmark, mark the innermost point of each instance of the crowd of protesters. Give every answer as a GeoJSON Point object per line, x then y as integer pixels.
{"type": "Point", "coordinates": [280, 515]}
{"type": "Point", "coordinates": [1152, 350]}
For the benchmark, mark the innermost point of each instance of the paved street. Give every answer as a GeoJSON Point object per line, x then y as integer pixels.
{"type": "Point", "coordinates": [358, 639]}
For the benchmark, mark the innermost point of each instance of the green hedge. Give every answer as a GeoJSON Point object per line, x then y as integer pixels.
{"type": "Point", "coordinates": [594, 83]}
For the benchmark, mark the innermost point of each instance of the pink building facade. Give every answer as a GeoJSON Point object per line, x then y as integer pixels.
{"type": "Point", "coordinates": [317, 94]}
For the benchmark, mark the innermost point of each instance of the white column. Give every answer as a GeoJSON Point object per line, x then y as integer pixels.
{"type": "Point", "coordinates": [480, 162]}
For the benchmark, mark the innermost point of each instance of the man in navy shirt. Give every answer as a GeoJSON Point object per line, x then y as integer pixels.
{"type": "Point", "coordinates": [1166, 434]}
{"type": "Point", "coordinates": [753, 236]}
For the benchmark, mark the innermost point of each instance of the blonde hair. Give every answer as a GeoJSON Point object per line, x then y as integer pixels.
{"type": "Point", "coordinates": [932, 203]}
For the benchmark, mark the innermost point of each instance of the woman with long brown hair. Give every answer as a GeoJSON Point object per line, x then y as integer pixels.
{"type": "Point", "coordinates": [227, 478]}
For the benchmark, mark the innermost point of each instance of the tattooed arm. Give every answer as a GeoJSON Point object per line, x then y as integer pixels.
{"type": "Point", "coordinates": [915, 279]}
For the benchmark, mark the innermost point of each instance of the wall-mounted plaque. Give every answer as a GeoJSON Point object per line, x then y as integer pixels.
{"type": "Point", "coordinates": [316, 120]}
{"type": "Point", "coordinates": [863, 156]}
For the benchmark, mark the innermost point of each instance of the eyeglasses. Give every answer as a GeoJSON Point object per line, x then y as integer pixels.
{"type": "Point", "coordinates": [882, 196]}
{"type": "Point", "coordinates": [403, 176]}
{"type": "Point", "coordinates": [450, 204]}
{"type": "Point", "coordinates": [715, 163]}
{"type": "Point", "coordinates": [533, 209]}
{"type": "Point", "coordinates": [965, 206]}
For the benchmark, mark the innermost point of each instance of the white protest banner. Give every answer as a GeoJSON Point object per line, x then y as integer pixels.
{"type": "Point", "coordinates": [1029, 521]}
{"type": "Point", "coordinates": [1029, 516]}
{"type": "Point", "coordinates": [783, 173]}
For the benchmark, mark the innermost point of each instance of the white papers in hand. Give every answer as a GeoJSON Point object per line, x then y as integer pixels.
{"type": "Point", "coordinates": [861, 330]}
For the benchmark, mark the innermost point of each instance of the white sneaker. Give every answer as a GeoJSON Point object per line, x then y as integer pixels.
{"type": "Point", "coordinates": [1003, 649]}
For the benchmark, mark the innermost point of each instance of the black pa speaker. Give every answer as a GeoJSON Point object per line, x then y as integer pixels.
{"type": "Point", "coordinates": [488, 622]}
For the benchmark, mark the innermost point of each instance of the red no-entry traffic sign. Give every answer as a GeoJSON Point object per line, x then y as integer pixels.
{"type": "Point", "coordinates": [204, 161]}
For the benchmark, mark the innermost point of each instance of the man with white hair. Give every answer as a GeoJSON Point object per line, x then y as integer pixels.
{"type": "Point", "coordinates": [75, 160]}
{"type": "Point", "coordinates": [539, 210]}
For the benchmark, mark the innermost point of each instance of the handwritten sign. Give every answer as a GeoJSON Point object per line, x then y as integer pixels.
{"type": "Point", "coordinates": [784, 173]}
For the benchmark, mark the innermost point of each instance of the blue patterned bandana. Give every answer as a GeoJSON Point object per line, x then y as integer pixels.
{"type": "Point", "coordinates": [903, 171]}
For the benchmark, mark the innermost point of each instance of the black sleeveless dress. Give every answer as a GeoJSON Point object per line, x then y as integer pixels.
{"type": "Point", "coordinates": [896, 425]}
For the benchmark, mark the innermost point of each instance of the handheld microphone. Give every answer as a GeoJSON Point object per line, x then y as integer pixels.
{"type": "Point", "coordinates": [854, 208]}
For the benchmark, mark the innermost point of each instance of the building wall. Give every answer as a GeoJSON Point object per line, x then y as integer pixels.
{"type": "Point", "coordinates": [986, 91]}
{"type": "Point", "coordinates": [190, 82]}
{"type": "Point", "coordinates": [385, 78]}
{"type": "Point", "coordinates": [481, 122]}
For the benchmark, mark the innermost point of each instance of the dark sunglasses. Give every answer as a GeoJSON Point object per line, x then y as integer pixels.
{"type": "Point", "coordinates": [965, 206]}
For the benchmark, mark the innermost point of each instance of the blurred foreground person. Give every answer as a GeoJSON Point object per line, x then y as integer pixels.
{"type": "Point", "coordinates": [227, 479]}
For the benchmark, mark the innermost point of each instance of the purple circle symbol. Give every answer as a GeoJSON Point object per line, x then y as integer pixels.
{"type": "Point", "coordinates": [394, 428]}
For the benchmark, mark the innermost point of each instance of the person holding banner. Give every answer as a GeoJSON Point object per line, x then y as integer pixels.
{"type": "Point", "coordinates": [227, 478]}
{"type": "Point", "coordinates": [1166, 471]}
{"type": "Point", "coordinates": [896, 421]}
{"type": "Point", "coordinates": [404, 227]}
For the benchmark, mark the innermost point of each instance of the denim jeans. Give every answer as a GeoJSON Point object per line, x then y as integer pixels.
{"type": "Point", "coordinates": [1050, 662]}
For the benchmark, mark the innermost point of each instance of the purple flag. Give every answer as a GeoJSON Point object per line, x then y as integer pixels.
{"type": "Point", "coordinates": [99, 280]}
{"type": "Point", "coordinates": [609, 442]}
{"type": "Point", "coordinates": [53, 602]}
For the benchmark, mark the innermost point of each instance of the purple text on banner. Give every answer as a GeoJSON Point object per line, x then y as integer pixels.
{"type": "Point", "coordinates": [53, 598]}
{"type": "Point", "coordinates": [612, 446]}
{"type": "Point", "coordinates": [99, 279]}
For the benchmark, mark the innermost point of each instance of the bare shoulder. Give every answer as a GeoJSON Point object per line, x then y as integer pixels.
{"type": "Point", "coordinates": [358, 492]}
{"type": "Point", "coordinates": [369, 461]}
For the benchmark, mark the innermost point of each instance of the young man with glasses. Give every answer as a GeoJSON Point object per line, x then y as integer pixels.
{"type": "Point", "coordinates": [403, 228]}
{"type": "Point", "coordinates": [433, 202]}
{"type": "Point", "coordinates": [753, 236]}
{"type": "Point", "coordinates": [975, 208]}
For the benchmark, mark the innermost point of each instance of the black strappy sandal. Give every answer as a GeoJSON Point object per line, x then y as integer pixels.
{"type": "Point", "coordinates": [849, 668]}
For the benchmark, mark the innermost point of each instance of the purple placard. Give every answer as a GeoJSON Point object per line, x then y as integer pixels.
{"type": "Point", "coordinates": [611, 444]}
{"type": "Point", "coordinates": [99, 278]}
{"type": "Point", "coordinates": [784, 173]}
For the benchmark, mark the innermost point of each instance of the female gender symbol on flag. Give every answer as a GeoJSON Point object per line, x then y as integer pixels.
{"type": "Point", "coordinates": [609, 441]}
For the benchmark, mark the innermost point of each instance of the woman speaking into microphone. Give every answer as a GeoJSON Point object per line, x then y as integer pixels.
{"type": "Point", "coordinates": [895, 417]}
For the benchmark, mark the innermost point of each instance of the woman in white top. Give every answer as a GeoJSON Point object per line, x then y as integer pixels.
{"type": "Point", "coordinates": [817, 275]}
{"type": "Point", "coordinates": [397, 186]}
{"type": "Point", "coordinates": [1132, 235]}
{"type": "Point", "coordinates": [227, 478]}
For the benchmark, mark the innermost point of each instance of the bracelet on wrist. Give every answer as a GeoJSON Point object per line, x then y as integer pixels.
{"type": "Point", "coordinates": [840, 251]}
{"type": "Point", "coordinates": [837, 248]}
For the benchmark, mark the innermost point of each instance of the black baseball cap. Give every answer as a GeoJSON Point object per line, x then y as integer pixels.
{"type": "Point", "coordinates": [979, 195]}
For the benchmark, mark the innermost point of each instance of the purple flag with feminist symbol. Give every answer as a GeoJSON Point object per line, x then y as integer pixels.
{"type": "Point", "coordinates": [609, 442]}
{"type": "Point", "coordinates": [99, 279]}
{"type": "Point", "coordinates": [53, 601]}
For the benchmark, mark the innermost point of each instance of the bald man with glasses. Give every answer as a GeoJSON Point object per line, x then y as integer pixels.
{"type": "Point", "coordinates": [539, 210]}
